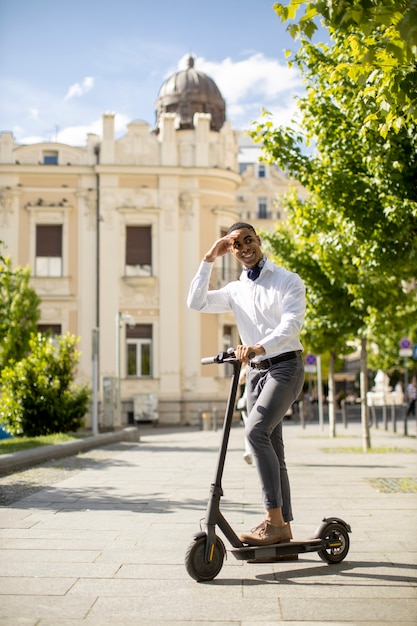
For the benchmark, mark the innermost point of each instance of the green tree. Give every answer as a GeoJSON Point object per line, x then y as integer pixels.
{"type": "Point", "coordinates": [358, 225]}
{"type": "Point", "coordinates": [19, 312]}
{"type": "Point", "coordinates": [380, 41]}
{"type": "Point", "coordinates": [38, 396]}
{"type": "Point", "coordinates": [331, 322]}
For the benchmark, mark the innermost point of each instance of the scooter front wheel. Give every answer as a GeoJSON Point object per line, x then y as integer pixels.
{"type": "Point", "coordinates": [337, 539]}
{"type": "Point", "coordinates": [195, 562]}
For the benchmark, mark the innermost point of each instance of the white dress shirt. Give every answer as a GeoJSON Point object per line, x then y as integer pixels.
{"type": "Point", "coordinates": [268, 311]}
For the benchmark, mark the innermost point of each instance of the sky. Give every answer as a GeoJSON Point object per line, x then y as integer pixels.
{"type": "Point", "coordinates": [63, 63]}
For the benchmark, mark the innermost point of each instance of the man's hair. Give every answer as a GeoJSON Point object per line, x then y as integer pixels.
{"type": "Point", "coordinates": [239, 226]}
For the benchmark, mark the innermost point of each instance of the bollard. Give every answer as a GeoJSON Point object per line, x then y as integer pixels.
{"type": "Point", "coordinates": [214, 418]}
{"type": "Point", "coordinates": [302, 419]}
{"type": "Point", "coordinates": [405, 424]}
{"type": "Point", "coordinates": [206, 420]}
{"type": "Point", "coordinates": [344, 415]}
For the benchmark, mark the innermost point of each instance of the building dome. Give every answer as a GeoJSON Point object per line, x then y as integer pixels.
{"type": "Point", "coordinates": [187, 92]}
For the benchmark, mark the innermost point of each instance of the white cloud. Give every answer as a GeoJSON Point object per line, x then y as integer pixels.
{"type": "Point", "coordinates": [34, 114]}
{"type": "Point", "coordinates": [77, 90]}
{"type": "Point", "coordinates": [255, 76]}
{"type": "Point", "coordinates": [17, 130]}
{"type": "Point", "coordinates": [31, 139]}
{"type": "Point", "coordinates": [77, 135]}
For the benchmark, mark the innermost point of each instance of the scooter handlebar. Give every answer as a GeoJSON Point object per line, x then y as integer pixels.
{"type": "Point", "coordinates": [223, 357]}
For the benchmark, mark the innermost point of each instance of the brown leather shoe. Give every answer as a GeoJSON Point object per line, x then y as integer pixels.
{"type": "Point", "coordinates": [265, 534]}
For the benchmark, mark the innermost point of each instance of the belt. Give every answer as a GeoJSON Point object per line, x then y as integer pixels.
{"type": "Point", "coordinates": [267, 363]}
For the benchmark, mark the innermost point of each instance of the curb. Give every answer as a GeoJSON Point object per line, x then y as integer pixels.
{"type": "Point", "coordinates": [27, 458]}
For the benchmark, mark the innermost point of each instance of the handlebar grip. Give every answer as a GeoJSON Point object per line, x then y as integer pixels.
{"type": "Point", "coordinates": [208, 360]}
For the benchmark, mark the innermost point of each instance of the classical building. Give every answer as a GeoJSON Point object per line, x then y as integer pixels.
{"type": "Point", "coordinates": [114, 232]}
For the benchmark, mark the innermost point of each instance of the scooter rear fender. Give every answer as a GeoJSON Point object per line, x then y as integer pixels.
{"type": "Point", "coordinates": [330, 520]}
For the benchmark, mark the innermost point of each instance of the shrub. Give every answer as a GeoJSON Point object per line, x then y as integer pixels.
{"type": "Point", "coordinates": [38, 395]}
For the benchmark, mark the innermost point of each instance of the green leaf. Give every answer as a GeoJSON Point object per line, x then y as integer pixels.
{"type": "Point", "coordinates": [309, 29]}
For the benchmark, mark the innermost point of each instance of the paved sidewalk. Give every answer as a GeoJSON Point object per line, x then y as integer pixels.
{"type": "Point", "coordinates": [106, 545]}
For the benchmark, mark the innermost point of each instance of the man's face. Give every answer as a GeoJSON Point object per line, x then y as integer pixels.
{"type": "Point", "coordinates": [246, 247]}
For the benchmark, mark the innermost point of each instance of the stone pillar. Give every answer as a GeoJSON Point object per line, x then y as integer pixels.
{"type": "Point", "coordinates": [168, 138]}
{"type": "Point", "coordinates": [93, 142]}
{"type": "Point", "coordinates": [6, 147]}
{"type": "Point", "coordinates": [107, 152]}
{"type": "Point", "coordinates": [202, 133]}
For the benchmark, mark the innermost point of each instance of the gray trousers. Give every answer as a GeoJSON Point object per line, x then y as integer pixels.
{"type": "Point", "coordinates": [270, 393]}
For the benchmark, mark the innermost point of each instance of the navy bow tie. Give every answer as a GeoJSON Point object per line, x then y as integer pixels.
{"type": "Point", "coordinates": [254, 272]}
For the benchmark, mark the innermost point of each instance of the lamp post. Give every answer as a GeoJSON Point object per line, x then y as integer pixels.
{"type": "Point", "coordinates": [96, 329]}
{"type": "Point", "coordinates": [119, 317]}
{"type": "Point", "coordinates": [94, 414]}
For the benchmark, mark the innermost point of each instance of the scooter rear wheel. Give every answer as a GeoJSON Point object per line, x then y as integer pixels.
{"type": "Point", "coordinates": [195, 562]}
{"type": "Point", "coordinates": [337, 534]}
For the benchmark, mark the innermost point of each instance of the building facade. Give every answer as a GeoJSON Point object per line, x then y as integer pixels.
{"type": "Point", "coordinates": [114, 232]}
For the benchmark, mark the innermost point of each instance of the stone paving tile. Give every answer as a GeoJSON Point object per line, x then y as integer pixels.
{"type": "Point", "coordinates": [33, 543]}
{"type": "Point", "coordinates": [58, 570]}
{"type": "Point", "coordinates": [142, 622]}
{"type": "Point", "coordinates": [20, 621]}
{"type": "Point", "coordinates": [30, 585]}
{"type": "Point", "coordinates": [211, 602]}
{"type": "Point", "coordinates": [168, 622]}
{"type": "Point", "coordinates": [391, 610]}
{"type": "Point", "coordinates": [53, 607]}
{"type": "Point", "coordinates": [47, 556]}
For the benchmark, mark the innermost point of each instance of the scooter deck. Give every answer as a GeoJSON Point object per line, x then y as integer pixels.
{"type": "Point", "coordinates": [247, 553]}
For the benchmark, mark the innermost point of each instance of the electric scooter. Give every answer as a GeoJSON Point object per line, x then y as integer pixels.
{"type": "Point", "coordinates": [205, 554]}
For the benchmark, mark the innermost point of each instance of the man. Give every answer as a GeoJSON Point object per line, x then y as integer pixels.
{"type": "Point", "coordinates": [412, 396]}
{"type": "Point", "coordinates": [268, 303]}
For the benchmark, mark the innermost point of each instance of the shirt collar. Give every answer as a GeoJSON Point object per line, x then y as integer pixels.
{"type": "Point", "coordinates": [264, 263]}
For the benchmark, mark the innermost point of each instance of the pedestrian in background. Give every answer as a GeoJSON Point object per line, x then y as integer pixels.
{"type": "Point", "coordinates": [411, 397]}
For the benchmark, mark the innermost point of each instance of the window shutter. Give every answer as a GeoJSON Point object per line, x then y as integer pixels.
{"type": "Point", "coordinates": [138, 245]}
{"type": "Point", "coordinates": [49, 240]}
{"type": "Point", "coordinates": [139, 331]}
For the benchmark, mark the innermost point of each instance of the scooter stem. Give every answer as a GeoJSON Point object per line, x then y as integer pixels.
{"type": "Point", "coordinates": [227, 424]}
{"type": "Point", "coordinates": [213, 514]}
